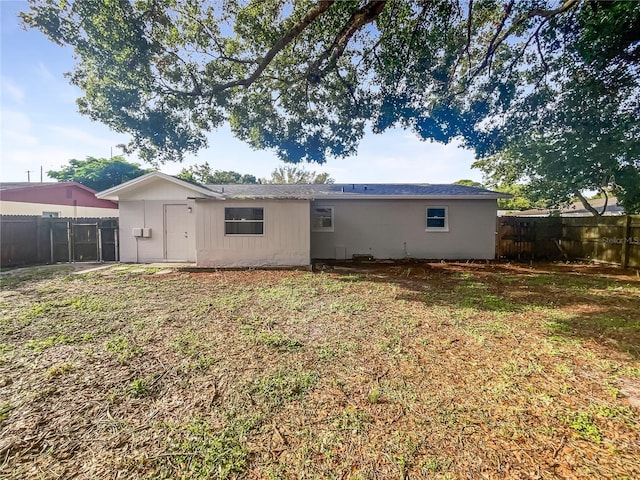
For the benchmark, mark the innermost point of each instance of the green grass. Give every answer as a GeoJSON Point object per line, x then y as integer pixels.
{"type": "Point", "coordinates": [475, 295]}
{"type": "Point", "coordinates": [420, 371]}
{"type": "Point", "coordinates": [15, 278]}
{"type": "Point", "coordinates": [60, 370]}
{"type": "Point", "coordinates": [40, 345]}
{"type": "Point", "coordinates": [204, 452]}
{"type": "Point", "coordinates": [124, 348]}
{"type": "Point", "coordinates": [277, 340]}
{"type": "Point", "coordinates": [281, 386]}
{"type": "Point", "coordinates": [583, 423]}
{"type": "Point", "coordinates": [224, 302]}
{"type": "Point", "coordinates": [138, 388]}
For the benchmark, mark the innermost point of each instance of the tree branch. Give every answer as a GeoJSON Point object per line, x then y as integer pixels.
{"type": "Point", "coordinates": [468, 45]}
{"type": "Point", "coordinates": [586, 204]}
{"type": "Point", "coordinates": [219, 47]}
{"type": "Point", "coordinates": [358, 19]}
{"type": "Point", "coordinates": [498, 38]}
{"type": "Point", "coordinates": [606, 200]}
{"type": "Point", "coordinates": [321, 7]}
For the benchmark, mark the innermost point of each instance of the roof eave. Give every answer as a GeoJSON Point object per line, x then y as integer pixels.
{"type": "Point", "coordinates": [357, 197]}
{"type": "Point", "coordinates": [411, 197]}
{"type": "Point", "coordinates": [114, 193]}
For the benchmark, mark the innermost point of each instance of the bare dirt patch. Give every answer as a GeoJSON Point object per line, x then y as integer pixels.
{"type": "Point", "coordinates": [398, 371]}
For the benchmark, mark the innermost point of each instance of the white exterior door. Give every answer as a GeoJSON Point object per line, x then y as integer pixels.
{"type": "Point", "coordinates": [176, 233]}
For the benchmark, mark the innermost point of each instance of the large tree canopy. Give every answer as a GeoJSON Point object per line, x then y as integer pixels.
{"type": "Point", "coordinates": [305, 78]}
{"type": "Point", "coordinates": [203, 174]}
{"type": "Point", "coordinates": [98, 173]}
{"type": "Point", "coordinates": [293, 174]}
{"type": "Point", "coordinates": [579, 129]}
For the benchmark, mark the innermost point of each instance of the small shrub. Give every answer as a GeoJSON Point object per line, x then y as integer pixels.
{"type": "Point", "coordinates": [138, 388]}
{"type": "Point", "coordinates": [374, 395]}
{"type": "Point", "coordinates": [583, 423]}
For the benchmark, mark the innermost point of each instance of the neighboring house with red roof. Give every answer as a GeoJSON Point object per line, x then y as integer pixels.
{"type": "Point", "coordinates": [54, 199]}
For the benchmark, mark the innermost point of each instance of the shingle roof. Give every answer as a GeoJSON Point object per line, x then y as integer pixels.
{"type": "Point", "coordinates": [575, 209]}
{"type": "Point", "coordinates": [351, 190]}
{"type": "Point", "coordinates": [13, 185]}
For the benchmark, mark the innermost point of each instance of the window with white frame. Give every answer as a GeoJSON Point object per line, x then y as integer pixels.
{"type": "Point", "coordinates": [244, 221]}
{"type": "Point", "coordinates": [322, 219]}
{"type": "Point", "coordinates": [437, 219]}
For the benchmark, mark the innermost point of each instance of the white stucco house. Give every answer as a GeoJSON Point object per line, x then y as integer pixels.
{"type": "Point", "coordinates": [164, 219]}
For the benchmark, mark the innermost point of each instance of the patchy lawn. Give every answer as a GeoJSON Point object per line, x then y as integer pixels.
{"type": "Point", "coordinates": [414, 371]}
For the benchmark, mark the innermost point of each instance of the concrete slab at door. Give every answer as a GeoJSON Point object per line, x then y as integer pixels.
{"type": "Point", "coordinates": [176, 233]}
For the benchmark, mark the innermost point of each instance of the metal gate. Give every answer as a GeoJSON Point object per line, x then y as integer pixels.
{"type": "Point", "coordinates": [80, 241]}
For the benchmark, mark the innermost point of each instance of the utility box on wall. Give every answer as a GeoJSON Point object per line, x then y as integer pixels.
{"type": "Point", "coordinates": [142, 232]}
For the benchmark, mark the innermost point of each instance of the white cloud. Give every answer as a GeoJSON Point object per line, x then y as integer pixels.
{"type": "Point", "coordinates": [398, 156]}
{"type": "Point", "coordinates": [44, 73]}
{"type": "Point", "coordinates": [16, 130]}
{"type": "Point", "coordinates": [11, 89]}
{"type": "Point", "coordinates": [80, 135]}
{"type": "Point", "coordinates": [27, 146]}
{"type": "Point", "coordinates": [15, 120]}
{"type": "Point", "coordinates": [56, 84]}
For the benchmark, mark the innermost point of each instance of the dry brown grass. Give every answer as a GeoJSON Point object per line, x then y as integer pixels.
{"type": "Point", "coordinates": [409, 371]}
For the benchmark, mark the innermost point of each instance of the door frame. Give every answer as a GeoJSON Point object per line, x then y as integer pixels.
{"type": "Point", "coordinates": [185, 258]}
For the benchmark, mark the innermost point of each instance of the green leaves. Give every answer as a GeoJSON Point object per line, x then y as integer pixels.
{"type": "Point", "coordinates": [293, 174]}
{"type": "Point", "coordinates": [523, 79]}
{"type": "Point", "coordinates": [98, 173]}
{"type": "Point", "coordinates": [203, 174]}
{"type": "Point", "coordinates": [577, 131]}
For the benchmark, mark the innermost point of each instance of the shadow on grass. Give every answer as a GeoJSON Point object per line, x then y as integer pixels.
{"type": "Point", "coordinates": [611, 329]}
{"type": "Point", "coordinates": [15, 277]}
{"type": "Point", "coordinates": [600, 304]}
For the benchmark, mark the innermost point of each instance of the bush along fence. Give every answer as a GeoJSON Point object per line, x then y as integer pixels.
{"type": "Point", "coordinates": [33, 240]}
{"type": "Point", "coordinates": [614, 240]}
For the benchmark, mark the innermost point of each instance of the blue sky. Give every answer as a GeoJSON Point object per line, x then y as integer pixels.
{"type": "Point", "coordinates": [40, 127]}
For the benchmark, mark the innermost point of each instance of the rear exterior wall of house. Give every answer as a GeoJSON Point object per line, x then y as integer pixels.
{"type": "Point", "coordinates": [397, 229]}
{"type": "Point", "coordinates": [164, 240]}
{"type": "Point", "coordinates": [252, 233]}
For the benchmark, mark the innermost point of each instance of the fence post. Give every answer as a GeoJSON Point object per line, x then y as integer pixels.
{"type": "Point", "coordinates": [626, 234]}
{"type": "Point", "coordinates": [117, 244]}
{"type": "Point", "coordinates": [51, 242]}
{"type": "Point", "coordinates": [99, 242]}
{"type": "Point", "coordinates": [69, 236]}
{"type": "Point", "coordinates": [497, 238]}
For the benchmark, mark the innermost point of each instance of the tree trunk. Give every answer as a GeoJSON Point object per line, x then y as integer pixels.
{"type": "Point", "coordinates": [587, 205]}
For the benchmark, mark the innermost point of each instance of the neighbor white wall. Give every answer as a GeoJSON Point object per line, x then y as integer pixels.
{"type": "Point", "coordinates": [285, 241]}
{"type": "Point", "coordinates": [396, 229]}
{"type": "Point", "coordinates": [24, 208]}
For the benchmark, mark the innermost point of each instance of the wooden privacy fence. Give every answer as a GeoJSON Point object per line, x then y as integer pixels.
{"type": "Point", "coordinates": [613, 240]}
{"type": "Point", "coordinates": [32, 240]}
